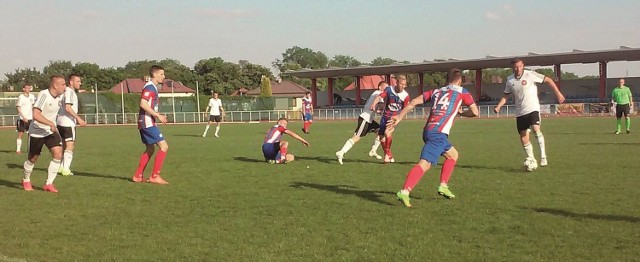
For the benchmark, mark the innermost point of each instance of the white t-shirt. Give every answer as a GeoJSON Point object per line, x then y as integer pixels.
{"type": "Point", "coordinates": [215, 105]}
{"type": "Point", "coordinates": [367, 114]}
{"type": "Point", "coordinates": [26, 105]}
{"type": "Point", "coordinates": [64, 118]}
{"type": "Point", "coordinates": [49, 106]}
{"type": "Point", "coordinates": [525, 91]}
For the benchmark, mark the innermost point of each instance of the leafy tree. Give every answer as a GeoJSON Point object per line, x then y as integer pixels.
{"type": "Point", "coordinates": [59, 67]}
{"type": "Point", "coordinates": [344, 61]}
{"type": "Point", "coordinates": [265, 86]}
{"type": "Point", "coordinates": [296, 58]}
{"type": "Point", "coordinates": [380, 61]}
{"type": "Point", "coordinates": [26, 75]}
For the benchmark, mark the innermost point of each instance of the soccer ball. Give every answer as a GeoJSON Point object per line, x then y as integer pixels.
{"type": "Point", "coordinates": [530, 164]}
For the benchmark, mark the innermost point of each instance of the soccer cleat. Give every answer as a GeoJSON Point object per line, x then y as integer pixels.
{"type": "Point", "coordinates": [18, 152]}
{"type": "Point", "coordinates": [617, 132]}
{"type": "Point", "coordinates": [204, 135]}
{"type": "Point", "coordinates": [138, 179]}
{"type": "Point", "coordinates": [304, 131]}
{"type": "Point", "coordinates": [374, 154]}
{"type": "Point", "coordinates": [66, 172]}
{"type": "Point", "coordinates": [216, 135]}
{"type": "Point", "coordinates": [50, 188]}
{"type": "Point", "coordinates": [392, 160]}
{"type": "Point", "coordinates": [445, 192]}
{"type": "Point", "coordinates": [339, 155]}
{"type": "Point", "coordinates": [543, 161]}
{"type": "Point", "coordinates": [404, 199]}
{"type": "Point", "coordinates": [27, 185]}
{"type": "Point", "coordinates": [387, 159]}
{"type": "Point", "coordinates": [157, 180]}
{"type": "Point", "coordinates": [271, 161]}
{"type": "Point", "coordinates": [628, 132]}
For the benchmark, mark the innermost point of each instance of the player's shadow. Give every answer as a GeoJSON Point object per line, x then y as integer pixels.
{"type": "Point", "coordinates": [12, 184]}
{"type": "Point", "coordinates": [189, 135]}
{"type": "Point", "coordinates": [7, 151]}
{"type": "Point", "coordinates": [501, 168]}
{"type": "Point", "coordinates": [250, 160]}
{"type": "Point", "coordinates": [608, 143]}
{"type": "Point", "coordinates": [570, 214]}
{"type": "Point", "coordinates": [375, 196]}
{"type": "Point", "coordinates": [75, 173]}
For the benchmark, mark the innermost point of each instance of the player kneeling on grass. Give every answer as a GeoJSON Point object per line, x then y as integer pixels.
{"type": "Point", "coordinates": [447, 103]}
{"type": "Point", "coordinates": [274, 148]}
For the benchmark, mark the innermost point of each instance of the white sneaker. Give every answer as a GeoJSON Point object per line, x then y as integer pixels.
{"type": "Point", "coordinates": [216, 135]}
{"type": "Point", "coordinates": [204, 135]}
{"type": "Point", "coordinates": [543, 161]}
{"type": "Point", "coordinates": [374, 154]}
{"type": "Point", "coordinates": [387, 159]}
{"type": "Point", "coordinates": [339, 155]}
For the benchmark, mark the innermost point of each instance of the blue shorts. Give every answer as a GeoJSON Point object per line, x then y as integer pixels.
{"type": "Point", "coordinates": [308, 117]}
{"type": "Point", "coordinates": [271, 151]}
{"type": "Point", "coordinates": [435, 144]}
{"type": "Point", "coordinates": [383, 126]}
{"type": "Point", "coordinates": [151, 135]}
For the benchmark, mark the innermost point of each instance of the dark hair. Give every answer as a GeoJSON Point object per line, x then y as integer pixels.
{"type": "Point", "coordinates": [72, 76]}
{"type": "Point", "coordinates": [454, 75]}
{"type": "Point", "coordinates": [283, 118]}
{"type": "Point", "coordinates": [382, 83]}
{"type": "Point", "coordinates": [53, 79]}
{"type": "Point", "coordinates": [154, 69]}
{"type": "Point", "coordinates": [25, 84]}
{"type": "Point", "coordinates": [516, 60]}
{"type": "Point", "coordinates": [308, 92]}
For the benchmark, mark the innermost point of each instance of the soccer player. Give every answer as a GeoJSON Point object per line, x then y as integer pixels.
{"type": "Point", "coordinates": [446, 103]}
{"type": "Point", "coordinates": [215, 114]}
{"type": "Point", "coordinates": [623, 99]}
{"type": "Point", "coordinates": [24, 105]}
{"type": "Point", "coordinates": [307, 112]}
{"type": "Point", "coordinates": [274, 148]}
{"type": "Point", "coordinates": [43, 131]}
{"type": "Point", "coordinates": [395, 99]}
{"type": "Point", "coordinates": [522, 84]}
{"type": "Point", "coordinates": [365, 125]}
{"type": "Point", "coordinates": [149, 132]}
{"type": "Point", "coordinates": [67, 119]}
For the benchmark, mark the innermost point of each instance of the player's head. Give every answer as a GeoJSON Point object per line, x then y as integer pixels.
{"type": "Point", "coordinates": [74, 81]}
{"type": "Point", "coordinates": [215, 95]}
{"type": "Point", "coordinates": [156, 73]}
{"type": "Point", "coordinates": [454, 77]}
{"type": "Point", "coordinates": [26, 88]}
{"type": "Point", "coordinates": [283, 121]}
{"type": "Point", "coordinates": [621, 81]}
{"type": "Point", "coordinates": [307, 94]}
{"type": "Point", "coordinates": [402, 82]}
{"type": "Point", "coordinates": [57, 84]}
{"type": "Point", "coordinates": [518, 66]}
{"type": "Point", "coordinates": [382, 85]}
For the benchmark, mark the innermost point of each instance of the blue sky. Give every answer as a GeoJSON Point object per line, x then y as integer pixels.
{"type": "Point", "coordinates": [113, 32]}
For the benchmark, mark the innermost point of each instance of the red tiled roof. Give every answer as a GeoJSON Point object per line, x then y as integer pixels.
{"type": "Point", "coordinates": [369, 82]}
{"type": "Point", "coordinates": [135, 85]}
{"type": "Point", "coordinates": [283, 89]}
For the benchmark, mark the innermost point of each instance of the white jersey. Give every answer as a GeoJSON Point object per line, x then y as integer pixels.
{"type": "Point", "coordinates": [49, 107]}
{"type": "Point", "coordinates": [26, 105]}
{"type": "Point", "coordinates": [64, 118]}
{"type": "Point", "coordinates": [367, 114]}
{"type": "Point", "coordinates": [215, 105]}
{"type": "Point", "coordinates": [525, 91]}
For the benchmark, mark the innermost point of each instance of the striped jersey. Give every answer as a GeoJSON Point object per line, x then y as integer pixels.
{"type": "Point", "coordinates": [394, 102]}
{"type": "Point", "coordinates": [274, 134]}
{"type": "Point", "coordinates": [150, 95]}
{"type": "Point", "coordinates": [306, 105]}
{"type": "Point", "coordinates": [446, 102]}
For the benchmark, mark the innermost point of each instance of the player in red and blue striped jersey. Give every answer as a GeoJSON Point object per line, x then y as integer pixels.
{"type": "Point", "coordinates": [149, 132]}
{"type": "Point", "coordinates": [274, 148]}
{"type": "Point", "coordinates": [395, 98]}
{"type": "Point", "coordinates": [307, 112]}
{"type": "Point", "coordinates": [446, 104]}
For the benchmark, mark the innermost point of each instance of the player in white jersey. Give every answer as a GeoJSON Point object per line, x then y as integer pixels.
{"type": "Point", "coordinates": [67, 119]}
{"type": "Point", "coordinates": [43, 131]}
{"type": "Point", "coordinates": [366, 124]}
{"type": "Point", "coordinates": [522, 84]}
{"type": "Point", "coordinates": [215, 115]}
{"type": "Point", "coordinates": [24, 105]}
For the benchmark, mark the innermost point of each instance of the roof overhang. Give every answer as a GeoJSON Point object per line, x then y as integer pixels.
{"type": "Point", "coordinates": [532, 59]}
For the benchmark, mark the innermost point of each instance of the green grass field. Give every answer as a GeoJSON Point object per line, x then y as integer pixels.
{"type": "Point", "coordinates": [225, 204]}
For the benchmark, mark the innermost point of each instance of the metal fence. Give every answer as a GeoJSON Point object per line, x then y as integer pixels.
{"type": "Point", "coordinates": [273, 115]}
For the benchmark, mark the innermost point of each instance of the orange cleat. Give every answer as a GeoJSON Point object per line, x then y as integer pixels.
{"type": "Point", "coordinates": [50, 188]}
{"type": "Point", "coordinates": [138, 179]}
{"type": "Point", "coordinates": [157, 180]}
{"type": "Point", "coordinates": [27, 185]}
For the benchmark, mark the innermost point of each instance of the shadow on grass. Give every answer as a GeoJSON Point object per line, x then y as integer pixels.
{"type": "Point", "coordinates": [12, 184]}
{"type": "Point", "coordinates": [75, 173]}
{"type": "Point", "coordinates": [501, 168]}
{"type": "Point", "coordinates": [189, 135]}
{"type": "Point", "coordinates": [609, 143]}
{"type": "Point", "coordinates": [375, 196]}
{"type": "Point", "coordinates": [8, 151]}
{"type": "Point", "coordinates": [250, 160]}
{"type": "Point", "coordinates": [569, 214]}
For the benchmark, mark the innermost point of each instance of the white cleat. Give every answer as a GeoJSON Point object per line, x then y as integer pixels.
{"type": "Point", "coordinates": [216, 135]}
{"type": "Point", "coordinates": [339, 155]}
{"type": "Point", "coordinates": [203, 135]}
{"type": "Point", "coordinates": [543, 161]}
{"type": "Point", "coordinates": [374, 154]}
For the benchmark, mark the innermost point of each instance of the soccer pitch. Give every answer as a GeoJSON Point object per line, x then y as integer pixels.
{"type": "Point", "coordinates": [225, 203]}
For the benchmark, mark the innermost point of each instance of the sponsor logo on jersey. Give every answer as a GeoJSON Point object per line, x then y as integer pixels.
{"type": "Point", "coordinates": [524, 82]}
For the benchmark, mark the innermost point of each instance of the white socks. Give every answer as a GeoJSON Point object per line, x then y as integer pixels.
{"type": "Point", "coordinates": [52, 171]}
{"type": "Point", "coordinates": [347, 146]}
{"type": "Point", "coordinates": [206, 130]}
{"type": "Point", "coordinates": [540, 137]}
{"type": "Point", "coordinates": [528, 149]}
{"type": "Point", "coordinates": [376, 144]}
{"type": "Point", "coordinates": [217, 129]}
{"type": "Point", "coordinates": [18, 145]}
{"type": "Point", "coordinates": [67, 157]}
{"type": "Point", "coordinates": [28, 168]}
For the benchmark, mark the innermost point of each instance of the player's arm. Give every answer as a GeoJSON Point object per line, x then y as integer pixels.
{"type": "Point", "coordinates": [24, 119]}
{"type": "Point", "coordinates": [69, 109]}
{"type": "Point", "coordinates": [395, 120]}
{"type": "Point", "coordinates": [375, 102]}
{"type": "Point", "coordinates": [37, 115]}
{"type": "Point", "coordinates": [503, 100]}
{"type": "Point", "coordinates": [147, 108]}
{"type": "Point", "coordinates": [472, 111]}
{"type": "Point", "coordinates": [296, 136]}
{"type": "Point", "coordinates": [555, 88]}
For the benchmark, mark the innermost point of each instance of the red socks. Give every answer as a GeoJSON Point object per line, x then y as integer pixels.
{"type": "Point", "coordinates": [386, 146]}
{"type": "Point", "coordinates": [283, 153]}
{"type": "Point", "coordinates": [447, 169]}
{"type": "Point", "coordinates": [307, 124]}
{"type": "Point", "coordinates": [157, 165]}
{"type": "Point", "coordinates": [144, 160]}
{"type": "Point", "coordinates": [413, 177]}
